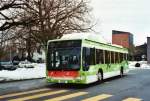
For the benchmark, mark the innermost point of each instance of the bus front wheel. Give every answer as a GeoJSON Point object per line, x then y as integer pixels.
{"type": "Point", "coordinates": [100, 75]}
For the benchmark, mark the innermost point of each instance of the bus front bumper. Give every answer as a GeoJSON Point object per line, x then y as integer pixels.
{"type": "Point", "coordinates": [78, 80]}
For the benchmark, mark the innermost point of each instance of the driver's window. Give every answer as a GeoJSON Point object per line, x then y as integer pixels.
{"type": "Point", "coordinates": [75, 60]}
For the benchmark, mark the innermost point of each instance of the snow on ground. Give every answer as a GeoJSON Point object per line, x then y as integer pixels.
{"type": "Point", "coordinates": [39, 71]}
{"type": "Point", "coordinates": [143, 65]}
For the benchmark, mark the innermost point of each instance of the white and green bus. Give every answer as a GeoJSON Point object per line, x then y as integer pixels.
{"type": "Point", "coordinates": [83, 59]}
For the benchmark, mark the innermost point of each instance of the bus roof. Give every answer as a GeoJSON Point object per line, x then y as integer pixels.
{"type": "Point", "coordinates": [86, 36]}
{"type": "Point", "coordinates": [82, 36]}
{"type": "Point", "coordinates": [89, 36]}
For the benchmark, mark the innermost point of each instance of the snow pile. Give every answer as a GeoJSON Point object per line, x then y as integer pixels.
{"type": "Point", "coordinates": [132, 64]}
{"type": "Point", "coordinates": [39, 71]}
{"type": "Point", "coordinates": [143, 65]}
{"type": "Point", "coordinates": [2, 79]}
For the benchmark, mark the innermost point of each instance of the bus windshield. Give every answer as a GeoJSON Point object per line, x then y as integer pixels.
{"type": "Point", "coordinates": [67, 58]}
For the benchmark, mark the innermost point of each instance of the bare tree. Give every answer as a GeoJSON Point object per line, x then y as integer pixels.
{"type": "Point", "coordinates": [43, 20]}
{"type": "Point", "coordinates": [1, 46]}
{"type": "Point", "coordinates": [53, 18]}
{"type": "Point", "coordinates": [10, 11]}
{"type": "Point", "coordinates": [9, 17]}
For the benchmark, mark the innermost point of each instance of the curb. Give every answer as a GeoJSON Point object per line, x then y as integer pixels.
{"type": "Point", "coordinates": [7, 81]}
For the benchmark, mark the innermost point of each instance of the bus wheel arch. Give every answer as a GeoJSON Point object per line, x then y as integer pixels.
{"type": "Point", "coordinates": [100, 75]}
{"type": "Point", "coordinates": [121, 71]}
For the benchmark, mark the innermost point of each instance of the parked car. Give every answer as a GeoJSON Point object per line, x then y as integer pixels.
{"type": "Point", "coordinates": [1, 67]}
{"type": "Point", "coordinates": [8, 66]}
{"type": "Point", "coordinates": [26, 64]}
{"type": "Point", "coordinates": [15, 62]}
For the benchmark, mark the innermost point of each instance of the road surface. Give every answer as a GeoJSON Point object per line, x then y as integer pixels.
{"type": "Point", "coordinates": [133, 87]}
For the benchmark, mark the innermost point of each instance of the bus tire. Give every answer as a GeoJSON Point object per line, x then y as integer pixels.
{"type": "Point", "coordinates": [100, 75]}
{"type": "Point", "coordinates": [121, 72]}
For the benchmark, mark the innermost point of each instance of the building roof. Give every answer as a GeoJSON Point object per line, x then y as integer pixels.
{"type": "Point", "coordinates": [119, 32]}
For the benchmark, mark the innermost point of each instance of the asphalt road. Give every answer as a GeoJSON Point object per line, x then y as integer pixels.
{"type": "Point", "coordinates": [133, 87]}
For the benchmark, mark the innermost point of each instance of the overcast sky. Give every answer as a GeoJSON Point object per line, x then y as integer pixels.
{"type": "Point", "coordinates": [123, 15]}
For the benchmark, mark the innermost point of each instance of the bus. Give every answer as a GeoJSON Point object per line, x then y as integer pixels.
{"type": "Point", "coordinates": [84, 58]}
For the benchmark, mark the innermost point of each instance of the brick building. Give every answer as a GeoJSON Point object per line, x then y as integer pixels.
{"type": "Point", "coordinates": [122, 38]}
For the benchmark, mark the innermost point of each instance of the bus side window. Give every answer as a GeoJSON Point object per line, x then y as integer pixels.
{"type": "Point", "coordinates": [99, 56]}
{"type": "Point", "coordinates": [104, 56]}
{"type": "Point", "coordinates": [86, 58]}
{"type": "Point", "coordinates": [107, 57]}
{"type": "Point", "coordinates": [92, 56]}
{"type": "Point", "coordinates": [116, 57]}
{"type": "Point", "coordinates": [112, 57]}
{"type": "Point", "coordinates": [127, 56]}
{"type": "Point", "coordinates": [121, 57]}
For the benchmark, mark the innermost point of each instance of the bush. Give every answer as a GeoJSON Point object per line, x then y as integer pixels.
{"type": "Point", "coordinates": [137, 65]}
